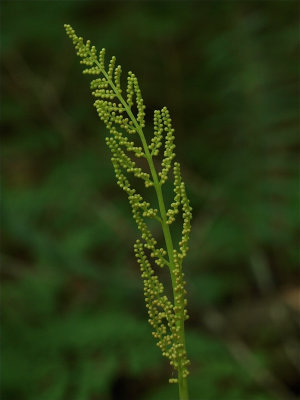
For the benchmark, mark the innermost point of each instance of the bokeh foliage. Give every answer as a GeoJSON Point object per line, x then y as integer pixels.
{"type": "Point", "coordinates": [74, 324]}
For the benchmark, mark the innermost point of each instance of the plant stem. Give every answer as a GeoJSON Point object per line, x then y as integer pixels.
{"type": "Point", "coordinates": [182, 381]}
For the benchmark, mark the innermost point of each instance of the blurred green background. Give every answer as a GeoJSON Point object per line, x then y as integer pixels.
{"type": "Point", "coordinates": [74, 324]}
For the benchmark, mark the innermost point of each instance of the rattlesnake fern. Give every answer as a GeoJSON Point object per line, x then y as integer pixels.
{"type": "Point", "coordinates": [124, 116]}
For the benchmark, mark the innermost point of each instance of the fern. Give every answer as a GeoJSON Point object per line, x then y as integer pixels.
{"type": "Point", "coordinates": [124, 117]}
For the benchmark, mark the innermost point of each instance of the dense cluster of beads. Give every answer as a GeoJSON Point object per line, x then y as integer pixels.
{"type": "Point", "coordinates": [176, 202]}
{"type": "Point", "coordinates": [126, 162]}
{"type": "Point", "coordinates": [129, 145]}
{"type": "Point", "coordinates": [163, 315]}
{"type": "Point", "coordinates": [187, 216]}
{"type": "Point", "coordinates": [169, 145]}
{"type": "Point", "coordinates": [123, 117]}
{"type": "Point", "coordinates": [180, 198]}
{"type": "Point", "coordinates": [156, 141]}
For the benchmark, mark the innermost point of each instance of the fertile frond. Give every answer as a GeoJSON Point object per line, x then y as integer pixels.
{"type": "Point", "coordinates": [124, 116]}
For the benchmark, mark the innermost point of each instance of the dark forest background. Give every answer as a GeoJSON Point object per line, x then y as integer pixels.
{"type": "Point", "coordinates": [74, 323]}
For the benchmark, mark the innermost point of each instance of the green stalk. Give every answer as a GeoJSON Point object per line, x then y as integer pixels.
{"type": "Point", "coordinates": [182, 381]}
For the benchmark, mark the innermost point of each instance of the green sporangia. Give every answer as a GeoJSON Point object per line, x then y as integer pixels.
{"type": "Point", "coordinates": [124, 118]}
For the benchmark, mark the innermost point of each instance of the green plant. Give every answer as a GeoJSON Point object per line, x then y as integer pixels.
{"type": "Point", "coordinates": [124, 118]}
